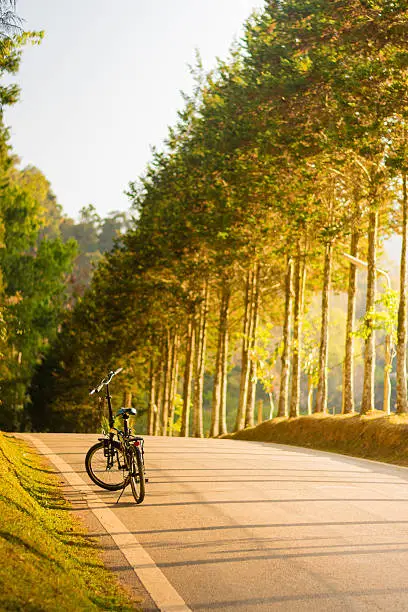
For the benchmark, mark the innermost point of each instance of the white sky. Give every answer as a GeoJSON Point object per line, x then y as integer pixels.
{"type": "Point", "coordinates": [105, 83]}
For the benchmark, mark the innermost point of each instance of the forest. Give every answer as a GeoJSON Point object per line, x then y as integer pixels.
{"type": "Point", "coordinates": [246, 283]}
{"type": "Point", "coordinates": [46, 258]}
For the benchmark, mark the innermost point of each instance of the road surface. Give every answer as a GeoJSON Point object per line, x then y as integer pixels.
{"type": "Point", "coordinates": [230, 525]}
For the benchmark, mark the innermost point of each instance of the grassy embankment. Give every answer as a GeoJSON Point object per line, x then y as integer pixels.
{"type": "Point", "coordinates": [48, 562]}
{"type": "Point", "coordinates": [373, 436]}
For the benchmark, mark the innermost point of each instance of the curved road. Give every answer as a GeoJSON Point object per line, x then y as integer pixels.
{"type": "Point", "coordinates": [229, 525]}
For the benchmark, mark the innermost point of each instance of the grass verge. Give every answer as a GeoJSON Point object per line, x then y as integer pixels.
{"type": "Point", "coordinates": [48, 562]}
{"type": "Point", "coordinates": [372, 436]}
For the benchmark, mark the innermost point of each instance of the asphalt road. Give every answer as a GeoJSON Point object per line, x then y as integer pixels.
{"type": "Point", "coordinates": [253, 526]}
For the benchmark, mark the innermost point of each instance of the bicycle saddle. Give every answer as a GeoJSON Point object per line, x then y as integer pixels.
{"type": "Point", "coordinates": [126, 412]}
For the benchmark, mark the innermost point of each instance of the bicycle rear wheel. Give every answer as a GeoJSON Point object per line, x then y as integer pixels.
{"type": "Point", "coordinates": [103, 474]}
{"type": "Point", "coordinates": [137, 477]}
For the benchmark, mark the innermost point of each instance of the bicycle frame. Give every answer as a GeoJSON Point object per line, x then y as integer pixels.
{"type": "Point", "coordinates": [126, 453]}
{"type": "Point", "coordinates": [110, 413]}
{"type": "Point", "coordinates": [111, 448]}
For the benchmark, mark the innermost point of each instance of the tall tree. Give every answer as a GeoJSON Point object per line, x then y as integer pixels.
{"type": "Point", "coordinates": [286, 341]}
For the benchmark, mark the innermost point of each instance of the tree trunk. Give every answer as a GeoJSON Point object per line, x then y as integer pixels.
{"type": "Point", "coordinates": [310, 389]}
{"type": "Point", "coordinates": [368, 402]}
{"type": "Point", "coordinates": [224, 367]}
{"type": "Point", "coordinates": [199, 365]}
{"type": "Point", "coordinates": [166, 384]}
{"type": "Point", "coordinates": [252, 383]}
{"type": "Point", "coordinates": [243, 387]}
{"type": "Point", "coordinates": [260, 412]}
{"type": "Point", "coordinates": [173, 381]}
{"type": "Point", "coordinates": [188, 375]}
{"type": "Point", "coordinates": [127, 399]}
{"type": "Point", "coordinates": [152, 398]}
{"type": "Point", "coordinates": [321, 395]}
{"type": "Point", "coordinates": [160, 390]}
{"type": "Point", "coordinates": [348, 372]}
{"type": "Point", "coordinates": [250, 407]}
{"type": "Point", "coordinates": [271, 405]}
{"type": "Point", "coordinates": [299, 286]}
{"type": "Point", "coordinates": [218, 416]}
{"type": "Point", "coordinates": [216, 395]}
{"type": "Point", "coordinates": [401, 349]}
{"type": "Point", "coordinates": [284, 382]}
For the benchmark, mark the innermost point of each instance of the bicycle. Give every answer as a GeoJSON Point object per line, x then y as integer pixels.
{"type": "Point", "coordinates": [117, 460]}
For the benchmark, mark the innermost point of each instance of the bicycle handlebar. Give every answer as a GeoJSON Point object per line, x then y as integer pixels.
{"type": "Point", "coordinates": [105, 381]}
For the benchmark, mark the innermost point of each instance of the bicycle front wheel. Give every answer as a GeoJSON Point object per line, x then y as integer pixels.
{"type": "Point", "coordinates": [137, 477]}
{"type": "Point", "coordinates": [106, 472]}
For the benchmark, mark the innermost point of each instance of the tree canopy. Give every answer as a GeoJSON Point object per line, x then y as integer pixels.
{"type": "Point", "coordinates": [288, 154]}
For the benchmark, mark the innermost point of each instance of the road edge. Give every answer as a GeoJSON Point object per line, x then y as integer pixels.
{"type": "Point", "coordinates": [152, 578]}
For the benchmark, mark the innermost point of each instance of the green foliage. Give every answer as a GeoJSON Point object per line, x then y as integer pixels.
{"type": "Point", "coordinates": [10, 57]}
{"type": "Point", "coordinates": [265, 356]}
{"type": "Point", "coordinates": [46, 260]}
{"type": "Point", "coordinates": [284, 149]}
{"type": "Point", "coordinates": [310, 350]}
{"type": "Point", "coordinates": [385, 319]}
{"type": "Point", "coordinates": [34, 261]}
{"type": "Point", "coordinates": [33, 272]}
{"type": "Point", "coordinates": [175, 426]}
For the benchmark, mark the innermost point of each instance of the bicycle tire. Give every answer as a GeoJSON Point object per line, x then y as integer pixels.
{"type": "Point", "coordinates": [137, 477]}
{"type": "Point", "coordinates": [112, 479]}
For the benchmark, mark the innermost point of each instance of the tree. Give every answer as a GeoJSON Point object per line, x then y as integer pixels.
{"type": "Point", "coordinates": [10, 22]}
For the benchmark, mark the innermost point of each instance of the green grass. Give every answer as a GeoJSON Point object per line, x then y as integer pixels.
{"type": "Point", "coordinates": [47, 560]}
{"type": "Point", "coordinates": [372, 436]}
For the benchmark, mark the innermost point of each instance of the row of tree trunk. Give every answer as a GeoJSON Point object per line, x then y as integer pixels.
{"type": "Point", "coordinates": [164, 375]}
{"type": "Point", "coordinates": [164, 370]}
{"type": "Point", "coordinates": [248, 381]}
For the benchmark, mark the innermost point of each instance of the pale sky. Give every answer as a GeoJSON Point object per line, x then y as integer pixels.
{"type": "Point", "coordinates": [105, 84]}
